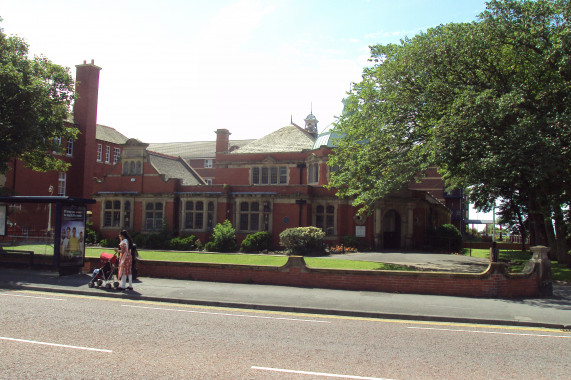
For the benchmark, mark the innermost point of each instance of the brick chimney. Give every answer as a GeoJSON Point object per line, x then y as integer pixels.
{"type": "Point", "coordinates": [222, 141]}
{"type": "Point", "coordinates": [85, 117]}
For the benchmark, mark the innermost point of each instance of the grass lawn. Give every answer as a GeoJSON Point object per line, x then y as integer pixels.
{"type": "Point", "coordinates": [226, 258]}
{"type": "Point", "coordinates": [518, 259]}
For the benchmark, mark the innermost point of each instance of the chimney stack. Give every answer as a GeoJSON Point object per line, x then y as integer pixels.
{"type": "Point", "coordinates": [85, 118]}
{"type": "Point", "coordinates": [222, 141]}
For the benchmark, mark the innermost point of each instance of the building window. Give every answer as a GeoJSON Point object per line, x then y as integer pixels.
{"type": "Point", "coordinates": [208, 163]}
{"type": "Point", "coordinates": [313, 173]}
{"type": "Point", "coordinates": [99, 152]}
{"type": "Point", "coordinates": [154, 216]}
{"type": "Point", "coordinates": [194, 215]}
{"type": "Point", "coordinates": [61, 184]}
{"type": "Point", "coordinates": [69, 147]}
{"type": "Point", "coordinates": [274, 175]}
{"type": "Point", "coordinates": [208, 181]}
{"type": "Point", "coordinates": [254, 216]}
{"type": "Point", "coordinates": [117, 214]}
{"type": "Point", "coordinates": [126, 215]}
{"type": "Point", "coordinates": [210, 216]}
{"type": "Point", "coordinates": [325, 219]}
{"type": "Point", "coordinates": [116, 155]}
{"type": "Point", "coordinates": [132, 167]}
{"type": "Point", "coordinates": [112, 214]}
{"type": "Point", "coordinates": [107, 154]}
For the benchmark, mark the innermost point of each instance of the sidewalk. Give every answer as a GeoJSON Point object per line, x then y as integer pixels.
{"type": "Point", "coordinates": [552, 312]}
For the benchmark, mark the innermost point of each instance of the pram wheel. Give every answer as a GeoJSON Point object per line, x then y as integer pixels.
{"type": "Point", "coordinates": [91, 284]}
{"type": "Point", "coordinates": [99, 282]}
{"type": "Point", "coordinates": [116, 284]}
{"type": "Point", "coordinates": [107, 286]}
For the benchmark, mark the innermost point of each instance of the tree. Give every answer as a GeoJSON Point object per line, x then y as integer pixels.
{"type": "Point", "coordinates": [35, 99]}
{"type": "Point", "coordinates": [487, 102]}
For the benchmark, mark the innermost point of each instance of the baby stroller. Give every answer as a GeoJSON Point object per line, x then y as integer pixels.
{"type": "Point", "coordinates": [104, 275]}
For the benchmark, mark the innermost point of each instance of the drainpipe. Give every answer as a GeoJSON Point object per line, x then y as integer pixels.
{"type": "Point", "coordinates": [300, 202]}
{"type": "Point", "coordinates": [300, 167]}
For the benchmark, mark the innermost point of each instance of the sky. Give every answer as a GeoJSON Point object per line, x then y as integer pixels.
{"type": "Point", "coordinates": [178, 70]}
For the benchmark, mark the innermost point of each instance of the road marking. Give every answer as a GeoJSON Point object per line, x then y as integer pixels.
{"type": "Point", "coordinates": [227, 314]}
{"type": "Point", "coordinates": [42, 298]}
{"type": "Point", "coordinates": [55, 344]}
{"type": "Point", "coordinates": [490, 332]}
{"type": "Point", "coordinates": [317, 373]}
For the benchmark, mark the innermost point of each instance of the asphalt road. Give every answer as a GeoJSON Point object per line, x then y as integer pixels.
{"type": "Point", "coordinates": [52, 335]}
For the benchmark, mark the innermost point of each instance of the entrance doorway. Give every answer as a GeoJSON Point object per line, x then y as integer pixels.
{"type": "Point", "coordinates": [391, 230]}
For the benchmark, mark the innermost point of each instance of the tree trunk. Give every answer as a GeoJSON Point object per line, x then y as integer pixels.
{"type": "Point", "coordinates": [561, 238]}
{"type": "Point", "coordinates": [522, 228]}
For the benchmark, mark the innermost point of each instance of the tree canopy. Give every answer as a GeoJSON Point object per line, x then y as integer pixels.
{"type": "Point", "coordinates": [487, 102]}
{"type": "Point", "coordinates": [35, 100]}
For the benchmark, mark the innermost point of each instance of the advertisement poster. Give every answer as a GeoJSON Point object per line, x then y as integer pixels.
{"type": "Point", "coordinates": [2, 220]}
{"type": "Point", "coordinates": [72, 241]}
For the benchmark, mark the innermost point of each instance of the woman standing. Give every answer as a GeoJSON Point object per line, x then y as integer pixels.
{"type": "Point", "coordinates": [125, 260]}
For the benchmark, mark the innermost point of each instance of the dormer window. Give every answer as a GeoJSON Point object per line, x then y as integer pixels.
{"type": "Point", "coordinates": [313, 173]}
{"type": "Point", "coordinates": [131, 167]}
{"type": "Point", "coordinates": [269, 175]}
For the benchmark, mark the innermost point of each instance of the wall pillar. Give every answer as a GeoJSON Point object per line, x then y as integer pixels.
{"type": "Point", "coordinates": [542, 262]}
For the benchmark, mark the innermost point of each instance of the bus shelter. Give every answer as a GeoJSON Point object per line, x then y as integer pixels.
{"type": "Point", "coordinates": [51, 230]}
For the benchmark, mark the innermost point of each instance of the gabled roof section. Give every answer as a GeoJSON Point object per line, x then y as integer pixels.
{"type": "Point", "coordinates": [327, 139]}
{"type": "Point", "coordinates": [287, 139]}
{"type": "Point", "coordinates": [110, 135]}
{"type": "Point", "coordinates": [193, 150]}
{"type": "Point", "coordinates": [172, 167]}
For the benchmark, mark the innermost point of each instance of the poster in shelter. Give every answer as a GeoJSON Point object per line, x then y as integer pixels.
{"type": "Point", "coordinates": [72, 241]}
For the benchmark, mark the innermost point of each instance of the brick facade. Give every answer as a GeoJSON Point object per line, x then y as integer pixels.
{"type": "Point", "coordinates": [256, 189]}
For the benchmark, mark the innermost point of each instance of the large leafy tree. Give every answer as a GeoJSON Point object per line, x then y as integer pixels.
{"type": "Point", "coordinates": [487, 102]}
{"type": "Point", "coordinates": [35, 100]}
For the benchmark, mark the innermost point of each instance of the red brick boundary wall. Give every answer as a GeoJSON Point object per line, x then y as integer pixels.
{"type": "Point", "coordinates": [494, 282]}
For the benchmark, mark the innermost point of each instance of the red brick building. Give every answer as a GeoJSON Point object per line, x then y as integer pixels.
{"type": "Point", "coordinates": [269, 184]}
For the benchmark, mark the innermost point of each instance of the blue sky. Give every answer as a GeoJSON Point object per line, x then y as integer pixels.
{"type": "Point", "coordinates": [179, 70]}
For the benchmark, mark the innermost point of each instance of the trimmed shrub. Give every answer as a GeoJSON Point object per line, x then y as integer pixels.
{"type": "Point", "coordinates": [350, 241]}
{"type": "Point", "coordinates": [110, 243]}
{"type": "Point", "coordinates": [306, 241]}
{"type": "Point", "coordinates": [447, 237]}
{"type": "Point", "coordinates": [257, 242]}
{"type": "Point", "coordinates": [183, 243]}
{"type": "Point", "coordinates": [223, 238]}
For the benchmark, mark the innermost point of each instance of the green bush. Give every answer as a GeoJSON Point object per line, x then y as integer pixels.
{"type": "Point", "coordinates": [257, 242]}
{"type": "Point", "coordinates": [91, 236]}
{"type": "Point", "coordinates": [223, 238]}
{"type": "Point", "coordinates": [153, 240]}
{"type": "Point", "coordinates": [183, 243]}
{"type": "Point", "coordinates": [447, 237]}
{"type": "Point", "coordinates": [110, 243]}
{"type": "Point", "coordinates": [303, 241]}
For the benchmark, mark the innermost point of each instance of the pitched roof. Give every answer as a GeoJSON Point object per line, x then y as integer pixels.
{"type": "Point", "coordinates": [111, 135]}
{"type": "Point", "coordinates": [172, 167]}
{"type": "Point", "coordinates": [287, 139]}
{"type": "Point", "coordinates": [327, 139]}
{"type": "Point", "coordinates": [194, 149]}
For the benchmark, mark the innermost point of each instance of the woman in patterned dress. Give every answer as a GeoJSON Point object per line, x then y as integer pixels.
{"type": "Point", "coordinates": [125, 260]}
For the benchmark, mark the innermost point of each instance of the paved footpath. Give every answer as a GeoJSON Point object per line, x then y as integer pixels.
{"type": "Point", "coordinates": [549, 312]}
